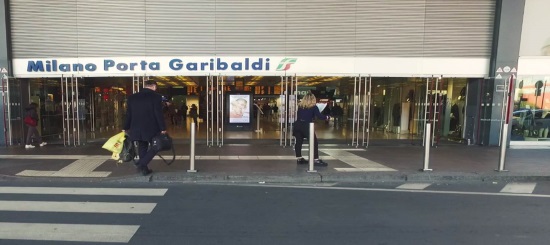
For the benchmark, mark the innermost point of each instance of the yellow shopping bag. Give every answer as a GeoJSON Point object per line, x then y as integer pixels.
{"type": "Point", "coordinates": [114, 145]}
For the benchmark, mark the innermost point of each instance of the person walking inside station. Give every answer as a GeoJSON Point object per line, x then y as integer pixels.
{"type": "Point", "coordinates": [184, 113]}
{"type": "Point", "coordinates": [31, 120]}
{"type": "Point", "coordinates": [194, 113]}
{"type": "Point", "coordinates": [307, 111]}
{"type": "Point", "coordinates": [337, 114]}
{"type": "Point", "coordinates": [144, 120]}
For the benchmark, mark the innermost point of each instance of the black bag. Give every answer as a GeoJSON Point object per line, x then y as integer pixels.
{"type": "Point", "coordinates": [128, 152]}
{"type": "Point", "coordinates": [161, 142]}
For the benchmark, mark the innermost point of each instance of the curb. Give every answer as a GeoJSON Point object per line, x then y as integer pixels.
{"type": "Point", "coordinates": [305, 178]}
{"type": "Point", "coordinates": [346, 177]}
{"type": "Point", "coordinates": [237, 178]}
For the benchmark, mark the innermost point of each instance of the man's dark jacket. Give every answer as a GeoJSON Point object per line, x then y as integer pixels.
{"type": "Point", "coordinates": [144, 116]}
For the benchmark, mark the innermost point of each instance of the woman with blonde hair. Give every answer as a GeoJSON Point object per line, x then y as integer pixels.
{"type": "Point", "coordinates": [307, 111]}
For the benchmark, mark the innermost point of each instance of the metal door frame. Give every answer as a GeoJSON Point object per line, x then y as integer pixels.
{"type": "Point", "coordinates": [92, 110]}
{"type": "Point", "coordinates": [7, 110]}
{"type": "Point", "coordinates": [505, 104]}
{"type": "Point", "coordinates": [288, 112]}
{"type": "Point", "coordinates": [215, 110]}
{"type": "Point", "coordinates": [220, 118]}
{"type": "Point", "coordinates": [427, 109]}
{"type": "Point", "coordinates": [209, 110]}
{"type": "Point", "coordinates": [70, 111]}
{"type": "Point", "coordinates": [362, 100]}
{"type": "Point", "coordinates": [136, 81]}
{"type": "Point", "coordinates": [433, 106]}
{"type": "Point", "coordinates": [282, 113]}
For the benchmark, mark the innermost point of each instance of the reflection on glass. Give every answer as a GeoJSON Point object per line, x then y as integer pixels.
{"type": "Point", "coordinates": [531, 115]}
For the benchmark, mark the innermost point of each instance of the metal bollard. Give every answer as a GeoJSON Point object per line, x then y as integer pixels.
{"type": "Point", "coordinates": [427, 146]}
{"type": "Point", "coordinates": [503, 145]}
{"type": "Point", "coordinates": [311, 148]}
{"type": "Point", "coordinates": [192, 153]}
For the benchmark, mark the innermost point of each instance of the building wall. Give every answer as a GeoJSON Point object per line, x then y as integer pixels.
{"type": "Point", "coordinates": [328, 37]}
{"type": "Point", "coordinates": [110, 28]}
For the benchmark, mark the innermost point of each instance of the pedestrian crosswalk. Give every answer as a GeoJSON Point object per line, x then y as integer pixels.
{"type": "Point", "coordinates": [413, 186]}
{"type": "Point", "coordinates": [516, 188]}
{"type": "Point", "coordinates": [525, 188]}
{"type": "Point", "coordinates": [32, 201]}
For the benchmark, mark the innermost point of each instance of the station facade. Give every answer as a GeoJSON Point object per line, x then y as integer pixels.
{"type": "Point", "coordinates": [393, 65]}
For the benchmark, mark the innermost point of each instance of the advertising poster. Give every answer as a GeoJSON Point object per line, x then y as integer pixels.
{"type": "Point", "coordinates": [239, 108]}
{"type": "Point", "coordinates": [282, 110]}
{"type": "Point", "coordinates": [535, 37]}
{"type": "Point", "coordinates": [292, 108]}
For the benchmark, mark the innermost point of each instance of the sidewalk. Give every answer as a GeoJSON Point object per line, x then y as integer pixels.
{"type": "Point", "coordinates": [273, 163]}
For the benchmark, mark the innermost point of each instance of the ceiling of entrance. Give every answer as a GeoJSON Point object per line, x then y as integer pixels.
{"type": "Point", "coordinates": [172, 81]}
{"type": "Point", "coordinates": [318, 81]}
{"type": "Point", "coordinates": [175, 81]}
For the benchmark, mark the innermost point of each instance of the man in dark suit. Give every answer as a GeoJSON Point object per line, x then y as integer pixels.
{"type": "Point", "coordinates": [144, 120]}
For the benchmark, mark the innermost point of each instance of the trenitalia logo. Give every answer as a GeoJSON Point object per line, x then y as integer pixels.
{"type": "Point", "coordinates": [285, 64]}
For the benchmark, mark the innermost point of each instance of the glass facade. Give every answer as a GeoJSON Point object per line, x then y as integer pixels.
{"type": "Point", "coordinates": [531, 111]}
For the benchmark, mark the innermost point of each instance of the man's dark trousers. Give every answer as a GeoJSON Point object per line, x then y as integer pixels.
{"type": "Point", "coordinates": [145, 154]}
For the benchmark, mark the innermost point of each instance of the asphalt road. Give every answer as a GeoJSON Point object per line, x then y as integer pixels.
{"type": "Point", "coordinates": [380, 213]}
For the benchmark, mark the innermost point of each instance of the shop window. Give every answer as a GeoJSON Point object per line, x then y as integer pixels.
{"type": "Point", "coordinates": [531, 112]}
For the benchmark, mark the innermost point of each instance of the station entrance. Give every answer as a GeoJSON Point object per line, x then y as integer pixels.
{"type": "Point", "coordinates": [248, 109]}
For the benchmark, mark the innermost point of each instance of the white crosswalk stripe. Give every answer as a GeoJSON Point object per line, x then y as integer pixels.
{"type": "Point", "coordinates": [524, 188]}
{"type": "Point", "coordinates": [83, 191]}
{"type": "Point", "coordinates": [78, 207]}
{"type": "Point", "coordinates": [67, 232]}
{"type": "Point", "coordinates": [414, 186]}
{"type": "Point", "coordinates": [48, 231]}
{"type": "Point", "coordinates": [359, 164]}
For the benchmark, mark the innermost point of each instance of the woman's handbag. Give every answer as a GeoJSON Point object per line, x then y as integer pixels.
{"type": "Point", "coordinates": [30, 121]}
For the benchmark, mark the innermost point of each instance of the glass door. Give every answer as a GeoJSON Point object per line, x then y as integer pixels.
{"type": "Point", "coordinates": [288, 109]}
{"type": "Point", "coordinates": [215, 116]}
{"type": "Point", "coordinates": [73, 111]}
{"type": "Point", "coordinates": [15, 112]}
{"type": "Point", "coordinates": [361, 105]}
{"type": "Point", "coordinates": [12, 111]}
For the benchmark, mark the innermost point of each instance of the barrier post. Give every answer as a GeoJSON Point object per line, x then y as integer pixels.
{"type": "Point", "coordinates": [427, 145]}
{"type": "Point", "coordinates": [311, 148]}
{"type": "Point", "coordinates": [503, 146]}
{"type": "Point", "coordinates": [192, 152]}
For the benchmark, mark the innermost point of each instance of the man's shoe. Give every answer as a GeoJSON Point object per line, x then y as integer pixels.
{"type": "Point", "coordinates": [145, 171]}
{"type": "Point", "coordinates": [301, 160]}
{"type": "Point", "coordinates": [43, 144]}
{"type": "Point", "coordinates": [29, 146]}
{"type": "Point", "coordinates": [320, 163]}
